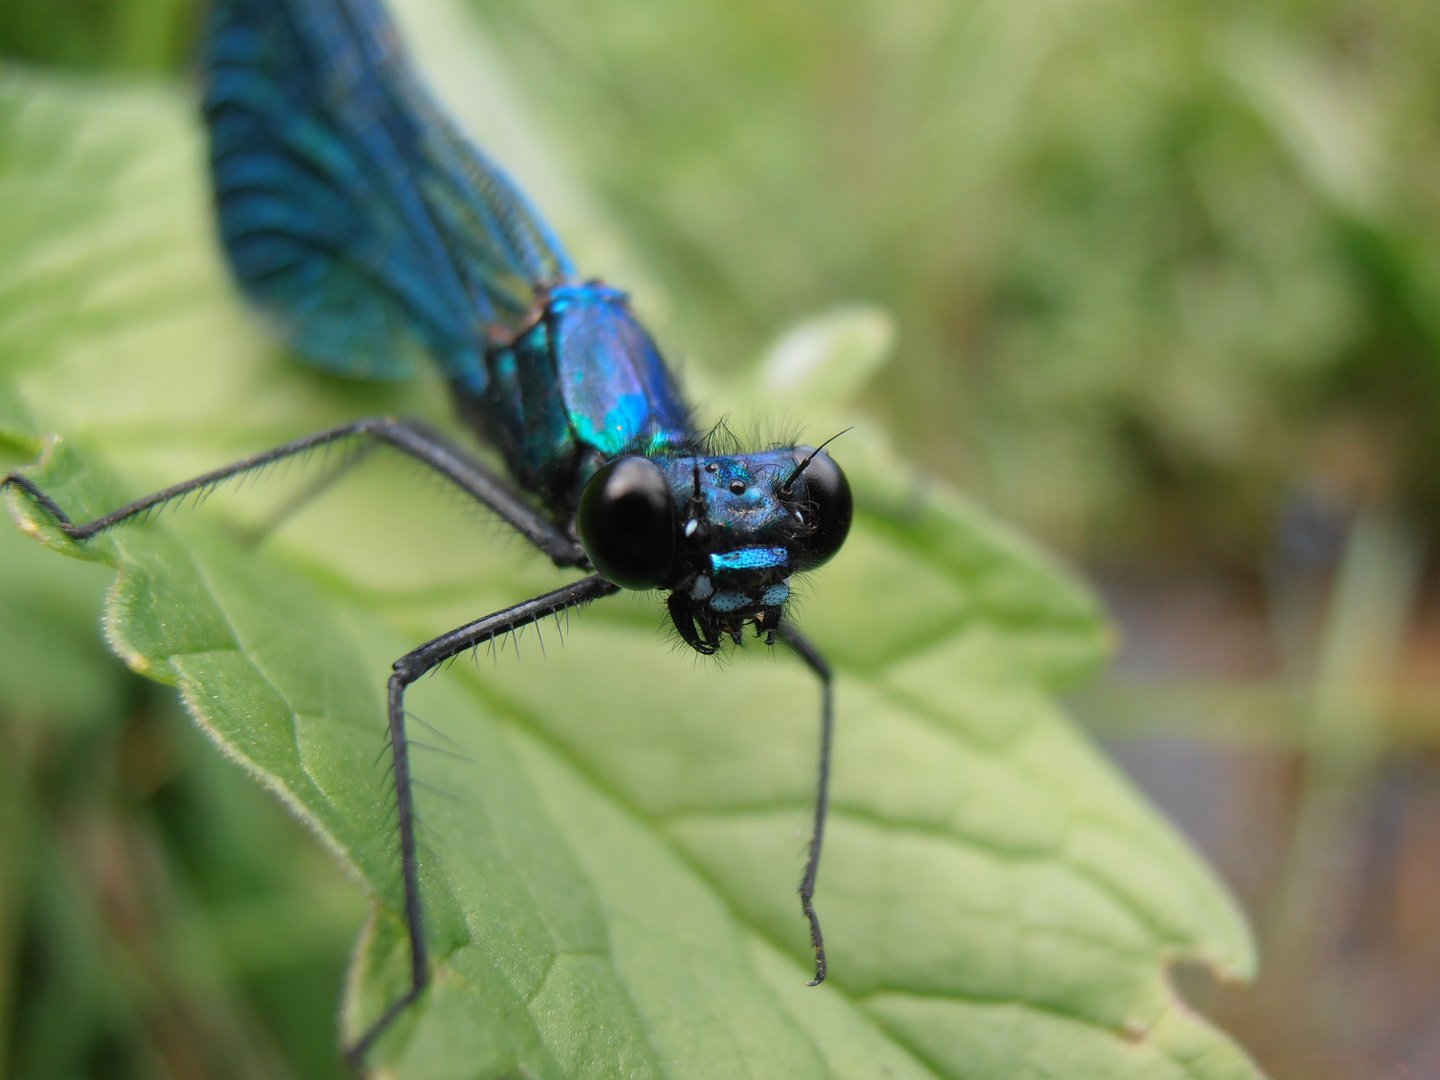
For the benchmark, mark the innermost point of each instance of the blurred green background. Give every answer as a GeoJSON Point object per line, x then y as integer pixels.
{"type": "Point", "coordinates": [1165, 280]}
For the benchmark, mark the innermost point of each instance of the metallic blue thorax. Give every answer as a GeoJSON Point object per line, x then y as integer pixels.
{"type": "Point", "coordinates": [582, 384]}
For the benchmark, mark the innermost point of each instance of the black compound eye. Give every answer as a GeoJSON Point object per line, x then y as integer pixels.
{"type": "Point", "coordinates": [626, 522]}
{"type": "Point", "coordinates": [827, 506]}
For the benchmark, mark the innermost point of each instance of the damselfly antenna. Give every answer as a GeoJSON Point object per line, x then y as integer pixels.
{"type": "Point", "coordinates": [790, 480]}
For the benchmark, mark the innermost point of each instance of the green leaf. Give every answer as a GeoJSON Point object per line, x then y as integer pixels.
{"type": "Point", "coordinates": [611, 834]}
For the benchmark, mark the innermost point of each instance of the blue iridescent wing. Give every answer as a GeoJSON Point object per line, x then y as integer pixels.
{"type": "Point", "coordinates": [350, 206]}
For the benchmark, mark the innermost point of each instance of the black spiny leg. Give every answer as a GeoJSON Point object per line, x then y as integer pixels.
{"type": "Point", "coordinates": [409, 438]}
{"type": "Point", "coordinates": [480, 483]}
{"type": "Point", "coordinates": [816, 663]}
{"type": "Point", "coordinates": [407, 669]}
{"type": "Point", "coordinates": [254, 535]}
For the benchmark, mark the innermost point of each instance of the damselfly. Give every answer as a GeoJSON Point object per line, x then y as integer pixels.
{"type": "Point", "coordinates": [354, 212]}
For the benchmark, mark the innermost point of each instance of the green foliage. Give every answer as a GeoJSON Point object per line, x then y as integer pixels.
{"type": "Point", "coordinates": [155, 906]}
{"type": "Point", "coordinates": [121, 35]}
{"type": "Point", "coordinates": [611, 834]}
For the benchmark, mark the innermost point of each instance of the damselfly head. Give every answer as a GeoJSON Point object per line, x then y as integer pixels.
{"type": "Point", "coordinates": [723, 533]}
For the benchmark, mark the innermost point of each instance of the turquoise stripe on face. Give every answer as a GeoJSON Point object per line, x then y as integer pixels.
{"type": "Point", "coordinates": [755, 558]}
